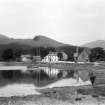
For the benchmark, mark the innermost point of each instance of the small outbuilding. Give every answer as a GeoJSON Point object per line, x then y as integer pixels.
{"type": "Point", "coordinates": [26, 58]}
{"type": "Point", "coordinates": [36, 58]}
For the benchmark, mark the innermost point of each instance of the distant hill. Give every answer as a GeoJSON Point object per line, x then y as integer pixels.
{"type": "Point", "coordinates": [42, 40]}
{"type": "Point", "coordinates": [98, 43]}
{"type": "Point", "coordinates": [37, 41]}
{"type": "Point", "coordinates": [3, 37]}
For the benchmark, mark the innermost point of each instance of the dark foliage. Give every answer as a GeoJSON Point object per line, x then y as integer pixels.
{"type": "Point", "coordinates": [41, 51]}
{"type": "Point", "coordinates": [97, 54]}
{"type": "Point", "coordinates": [59, 75]}
{"type": "Point", "coordinates": [60, 56]}
{"type": "Point", "coordinates": [39, 75]}
{"type": "Point", "coordinates": [70, 50]}
{"type": "Point", "coordinates": [13, 51]}
{"type": "Point", "coordinates": [8, 55]}
{"type": "Point", "coordinates": [7, 74]}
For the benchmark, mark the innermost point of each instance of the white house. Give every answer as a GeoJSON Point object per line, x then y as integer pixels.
{"type": "Point", "coordinates": [26, 58]}
{"type": "Point", "coordinates": [51, 57]}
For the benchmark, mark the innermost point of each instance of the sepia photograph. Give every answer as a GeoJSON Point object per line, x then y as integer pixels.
{"type": "Point", "coordinates": [52, 52]}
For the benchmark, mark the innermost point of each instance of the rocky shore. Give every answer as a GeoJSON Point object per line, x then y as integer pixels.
{"type": "Point", "coordinates": [84, 95]}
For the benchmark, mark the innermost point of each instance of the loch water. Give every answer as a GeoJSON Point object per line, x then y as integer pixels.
{"type": "Point", "coordinates": [24, 82]}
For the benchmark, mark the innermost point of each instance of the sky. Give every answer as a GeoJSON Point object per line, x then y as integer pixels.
{"type": "Point", "coordinates": [69, 21]}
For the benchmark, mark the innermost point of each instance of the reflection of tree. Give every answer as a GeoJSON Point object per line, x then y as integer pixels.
{"type": "Point", "coordinates": [7, 74]}
{"type": "Point", "coordinates": [37, 77]}
{"type": "Point", "coordinates": [60, 74]}
{"type": "Point", "coordinates": [10, 74]}
{"type": "Point", "coordinates": [70, 73]}
{"type": "Point", "coordinates": [40, 75]}
{"type": "Point", "coordinates": [43, 75]}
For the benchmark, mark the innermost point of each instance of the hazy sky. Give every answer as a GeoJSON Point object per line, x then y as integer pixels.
{"type": "Point", "coordinates": [69, 21]}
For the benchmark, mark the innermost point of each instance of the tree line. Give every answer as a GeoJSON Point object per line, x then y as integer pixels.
{"type": "Point", "coordinates": [97, 54]}
{"type": "Point", "coordinates": [14, 54]}
{"type": "Point", "coordinates": [14, 51]}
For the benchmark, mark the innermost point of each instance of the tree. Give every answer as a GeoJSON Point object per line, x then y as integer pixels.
{"type": "Point", "coordinates": [17, 53]}
{"type": "Point", "coordinates": [60, 55]}
{"type": "Point", "coordinates": [97, 54]}
{"type": "Point", "coordinates": [8, 55]}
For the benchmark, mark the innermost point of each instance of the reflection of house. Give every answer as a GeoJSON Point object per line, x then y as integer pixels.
{"type": "Point", "coordinates": [51, 57]}
{"type": "Point", "coordinates": [84, 56]}
{"type": "Point", "coordinates": [51, 72]}
{"type": "Point", "coordinates": [26, 58]}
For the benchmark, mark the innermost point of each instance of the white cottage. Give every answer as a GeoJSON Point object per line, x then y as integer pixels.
{"type": "Point", "coordinates": [51, 57]}
{"type": "Point", "coordinates": [26, 58]}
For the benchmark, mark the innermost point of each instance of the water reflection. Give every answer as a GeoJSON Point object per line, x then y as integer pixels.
{"type": "Point", "coordinates": [44, 77]}
{"type": "Point", "coordinates": [40, 77]}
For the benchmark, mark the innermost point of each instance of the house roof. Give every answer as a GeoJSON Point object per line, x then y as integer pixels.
{"type": "Point", "coordinates": [52, 54]}
{"type": "Point", "coordinates": [26, 55]}
{"type": "Point", "coordinates": [86, 50]}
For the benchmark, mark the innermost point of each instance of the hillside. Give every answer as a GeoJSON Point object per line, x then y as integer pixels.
{"type": "Point", "coordinates": [3, 37]}
{"type": "Point", "coordinates": [37, 41]}
{"type": "Point", "coordinates": [42, 40]}
{"type": "Point", "coordinates": [98, 43]}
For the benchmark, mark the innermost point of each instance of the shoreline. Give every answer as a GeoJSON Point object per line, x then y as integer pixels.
{"type": "Point", "coordinates": [56, 96]}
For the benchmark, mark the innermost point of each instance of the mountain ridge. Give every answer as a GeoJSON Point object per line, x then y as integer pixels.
{"type": "Point", "coordinates": [93, 44]}
{"type": "Point", "coordinates": [3, 36]}
{"type": "Point", "coordinates": [37, 41]}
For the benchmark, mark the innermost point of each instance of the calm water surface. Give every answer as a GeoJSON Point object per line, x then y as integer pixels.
{"type": "Point", "coordinates": [18, 82]}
